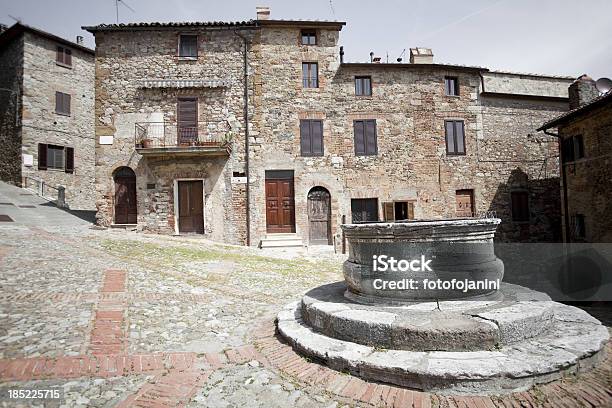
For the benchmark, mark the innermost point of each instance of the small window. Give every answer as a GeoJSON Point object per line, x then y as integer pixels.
{"type": "Point", "coordinates": [398, 211]}
{"type": "Point", "coordinates": [310, 74]}
{"type": "Point", "coordinates": [364, 209]}
{"type": "Point", "coordinates": [578, 227]}
{"type": "Point", "coordinates": [363, 86]}
{"type": "Point", "coordinates": [62, 103]}
{"type": "Point", "coordinates": [451, 86]}
{"type": "Point", "coordinates": [309, 37]}
{"type": "Point", "coordinates": [520, 206]}
{"type": "Point", "coordinates": [150, 186]}
{"type": "Point", "coordinates": [311, 137]}
{"type": "Point", "coordinates": [63, 56]}
{"type": "Point", "coordinates": [188, 46]}
{"type": "Point", "coordinates": [455, 138]}
{"type": "Point", "coordinates": [572, 149]}
{"type": "Point", "coordinates": [366, 141]}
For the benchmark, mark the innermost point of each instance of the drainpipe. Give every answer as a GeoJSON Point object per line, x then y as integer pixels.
{"type": "Point", "coordinates": [246, 135]}
{"type": "Point", "coordinates": [564, 182]}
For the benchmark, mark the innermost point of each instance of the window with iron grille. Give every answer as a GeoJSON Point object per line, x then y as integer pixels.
{"type": "Point", "coordinates": [519, 201]}
{"type": "Point", "coordinates": [451, 86]}
{"type": "Point", "coordinates": [572, 149]}
{"type": "Point", "coordinates": [363, 86]}
{"type": "Point", "coordinates": [366, 143]}
{"type": "Point", "coordinates": [311, 137]}
{"type": "Point", "coordinates": [364, 209]}
{"type": "Point", "coordinates": [188, 46]}
{"type": "Point", "coordinates": [62, 103]}
{"type": "Point", "coordinates": [455, 138]}
{"type": "Point", "coordinates": [309, 37]}
{"type": "Point", "coordinates": [310, 75]}
{"type": "Point", "coordinates": [63, 56]}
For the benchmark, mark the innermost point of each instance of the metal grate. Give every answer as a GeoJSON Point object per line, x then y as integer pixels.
{"type": "Point", "coordinates": [5, 218]}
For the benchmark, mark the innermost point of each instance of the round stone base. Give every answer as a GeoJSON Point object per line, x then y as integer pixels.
{"type": "Point", "coordinates": [524, 355]}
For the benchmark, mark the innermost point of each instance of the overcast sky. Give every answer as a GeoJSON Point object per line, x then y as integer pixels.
{"type": "Point", "coordinates": [542, 36]}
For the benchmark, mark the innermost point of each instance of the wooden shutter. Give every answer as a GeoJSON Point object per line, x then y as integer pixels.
{"type": "Point", "coordinates": [59, 56]}
{"type": "Point", "coordinates": [449, 128]}
{"type": "Point", "coordinates": [459, 137]}
{"type": "Point", "coordinates": [67, 56]}
{"type": "Point", "coordinates": [389, 211]}
{"type": "Point", "coordinates": [66, 104]}
{"type": "Point", "coordinates": [316, 133]}
{"type": "Point", "coordinates": [42, 156]}
{"type": "Point", "coordinates": [370, 133]}
{"type": "Point", "coordinates": [411, 211]}
{"type": "Point", "coordinates": [187, 111]}
{"type": "Point", "coordinates": [358, 126]}
{"type": "Point", "coordinates": [305, 139]}
{"type": "Point", "coordinates": [69, 164]}
{"type": "Point", "coordinates": [58, 102]}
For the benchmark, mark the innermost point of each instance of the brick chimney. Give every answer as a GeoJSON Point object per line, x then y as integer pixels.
{"type": "Point", "coordinates": [421, 55]}
{"type": "Point", "coordinates": [263, 13]}
{"type": "Point", "coordinates": [582, 91]}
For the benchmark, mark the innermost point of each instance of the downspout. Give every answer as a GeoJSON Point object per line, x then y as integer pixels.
{"type": "Point", "coordinates": [564, 182]}
{"type": "Point", "coordinates": [246, 136]}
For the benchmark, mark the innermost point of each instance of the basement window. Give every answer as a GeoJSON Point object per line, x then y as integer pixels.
{"type": "Point", "coordinates": [188, 46]}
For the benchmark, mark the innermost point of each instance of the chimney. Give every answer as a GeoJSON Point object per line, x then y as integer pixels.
{"type": "Point", "coordinates": [421, 55]}
{"type": "Point", "coordinates": [3, 28]}
{"type": "Point", "coordinates": [582, 91]}
{"type": "Point", "coordinates": [79, 39]}
{"type": "Point", "coordinates": [263, 13]}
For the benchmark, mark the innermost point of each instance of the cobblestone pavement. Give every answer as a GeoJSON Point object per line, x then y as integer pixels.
{"type": "Point", "coordinates": [119, 318]}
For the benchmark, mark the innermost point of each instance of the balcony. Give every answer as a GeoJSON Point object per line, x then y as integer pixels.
{"type": "Point", "coordinates": [171, 139]}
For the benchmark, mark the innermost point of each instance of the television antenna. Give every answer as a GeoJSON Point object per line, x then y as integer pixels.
{"type": "Point", "coordinates": [124, 4]}
{"type": "Point", "coordinates": [604, 85]}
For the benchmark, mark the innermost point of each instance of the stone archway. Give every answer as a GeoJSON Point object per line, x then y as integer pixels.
{"type": "Point", "coordinates": [125, 206]}
{"type": "Point", "coordinates": [319, 216]}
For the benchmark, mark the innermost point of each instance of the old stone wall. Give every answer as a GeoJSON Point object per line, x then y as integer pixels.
{"type": "Point", "coordinates": [123, 61]}
{"type": "Point", "coordinates": [42, 78]}
{"type": "Point", "coordinates": [525, 84]}
{"type": "Point", "coordinates": [11, 62]}
{"type": "Point", "coordinates": [589, 179]}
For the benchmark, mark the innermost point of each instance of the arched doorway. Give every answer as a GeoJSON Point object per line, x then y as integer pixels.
{"type": "Point", "coordinates": [125, 196]}
{"type": "Point", "coordinates": [319, 216]}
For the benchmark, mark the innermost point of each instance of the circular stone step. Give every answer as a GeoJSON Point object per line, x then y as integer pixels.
{"type": "Point", "coordinates": [573, 342]}
{"type": "Point", "coordinates": [517, 314]}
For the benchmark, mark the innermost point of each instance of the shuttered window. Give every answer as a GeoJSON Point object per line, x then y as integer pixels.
{"type": "Point", "coordinates": [55, 157]}
{"type": "Point", "coordinates": [364, 209]}
{"type": "Point", "coordinates": [63, 56]}
{"type": "Point", "coordinates": [311, 137]}
{"type": "Point", "coordinates": [451, 86]}
{"type": "Point", "coordinates": [520, 206]}
{"type": "Point", "coordinates": [62, 103]}
{"type": "Point", "coordinates": [366, 143]}
{"type": "Point", "coordinates": [398, 211]}
{"type": "Point", "coordinates": [187, 111]}
{"type": "Point", "coordinates": [455, 137]}
{"type": "Point", "coordinates": [310, 75]}
{"type": "Point", "coordinates": [188, 46]}
{"type": "Point", "coordinates": [363, 86]}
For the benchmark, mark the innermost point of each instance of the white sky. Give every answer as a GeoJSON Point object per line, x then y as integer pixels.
{"type": "Point", "coordinates": [541, 36]}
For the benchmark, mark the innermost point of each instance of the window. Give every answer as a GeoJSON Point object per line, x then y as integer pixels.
{"type": "Point", "coordinates": [455, 138]}
{"type": "Point", "coordinates": [572, 149]}
{"type": "Point", "coordinates": [187, 115]}
{"type": "Point", "coordinates": [188, 46]}
{"type": "Point", "coordinates": [398, 211]}
{"type": "Point", "coordinates": [364, 209]}
{"type": "Point", "coordinates": [55, 157]}
{"type": "Point", "coordinates": [309, 37]}
{"type": "Point", "coordinates": [62, 103]}
{"type": "Point", "coordinates": [578, 227]}
{"type": "Point", "coordinates": [63, 56]}
{"type": "Point", "coordinates": [363, 86]}
{"type": "Point", "coordinates": [310, 74]}
{"type": "Point", "coordinates": [365, 137]}
{"type": "Point", "coordinates": [519, 201]}
{"type": "Point", "coordinates": [451, 86]}
{"type": "Point", "coordinates": [311, 137]}
{"type": "Point", "coordinates": [465, 203]}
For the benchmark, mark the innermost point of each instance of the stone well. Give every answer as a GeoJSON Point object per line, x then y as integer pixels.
{"type": "Point", "coordinates": [447, 341]}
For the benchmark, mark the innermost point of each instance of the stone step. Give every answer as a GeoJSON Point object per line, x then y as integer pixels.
{"type": "Point", "coordinates": [281, 241]}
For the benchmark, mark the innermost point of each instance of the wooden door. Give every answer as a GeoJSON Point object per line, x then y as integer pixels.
{"type": "Point", "coordinates": [125, 197]}
{"type": "Point", "coordinates": [187, 114]}
{"type": "Point", "coordinates": [191, 207]}
{"type": "Point", "coordinates": [465, 203]}
{"type": "Point", "coordinates": [280, 203]}
{"type": "Point", "coordinates": [319, 216]}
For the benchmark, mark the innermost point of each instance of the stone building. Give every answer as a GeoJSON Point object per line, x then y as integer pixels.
{"type": "Point", "coordinates": [46, 114]}
{"type": "Point", "coordinates": [585, 135]}
{"type": "Point", "coordinates": [259, 132]}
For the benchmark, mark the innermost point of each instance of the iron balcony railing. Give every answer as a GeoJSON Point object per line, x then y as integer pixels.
{"type": "Point", "coordinates": [166, 134]}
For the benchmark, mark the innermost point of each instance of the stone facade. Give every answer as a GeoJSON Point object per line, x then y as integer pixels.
{"type": "Point", "coordinates": [503, 150]}
{"type": "Point", "coordinates": [38, 78]}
